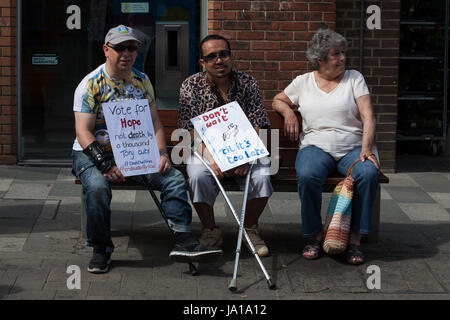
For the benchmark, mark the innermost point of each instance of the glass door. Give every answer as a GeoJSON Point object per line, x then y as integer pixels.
{"type": "Point", "coordinates": [423, 77]}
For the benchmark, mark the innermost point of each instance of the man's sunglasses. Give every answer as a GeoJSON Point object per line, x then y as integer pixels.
{"type": "Point", "coordinates": [121, 48]}
{"type": "Point", "coordinates": [223, 55]}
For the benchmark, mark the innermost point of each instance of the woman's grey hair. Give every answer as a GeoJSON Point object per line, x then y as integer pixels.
{"type": "Point", "coordinates": [322, 41]}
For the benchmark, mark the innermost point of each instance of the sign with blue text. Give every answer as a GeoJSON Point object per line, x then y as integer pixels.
{"type": "Point", "coordinates": [132, 136]}
{"type": "Point", "coordinates": [229, 136]}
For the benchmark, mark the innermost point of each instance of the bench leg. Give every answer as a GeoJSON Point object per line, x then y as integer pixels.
{"type": "Point", "coordinates": [83, 234]}
{"type": "Point", "coordinates": [375, 218]}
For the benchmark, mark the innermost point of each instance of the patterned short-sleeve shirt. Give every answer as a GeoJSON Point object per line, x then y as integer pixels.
{"type": "Point", "coordinates": [197, 96]}
{"type": "Point", "coordinates": [98, 87]}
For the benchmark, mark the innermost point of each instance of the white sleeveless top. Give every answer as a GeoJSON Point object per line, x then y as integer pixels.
{"type": "Point", "coordinates": [331, 121]}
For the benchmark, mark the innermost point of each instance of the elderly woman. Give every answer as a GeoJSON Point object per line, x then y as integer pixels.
{"type": "Point", "coordinates": [338, 128]}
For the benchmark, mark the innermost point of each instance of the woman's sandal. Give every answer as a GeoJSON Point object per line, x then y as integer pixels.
{"type": "Point", "coordinates": [354, 254]}
{"type": "Point", "coordinates": [313, 246]}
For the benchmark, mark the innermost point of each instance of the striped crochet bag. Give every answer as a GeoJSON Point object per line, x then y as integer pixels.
{"type": "Point", "coordinates": [339, 215]}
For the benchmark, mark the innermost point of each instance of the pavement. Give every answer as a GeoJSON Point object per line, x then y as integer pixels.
{"type": "Point", "coordinates": [42, 255]}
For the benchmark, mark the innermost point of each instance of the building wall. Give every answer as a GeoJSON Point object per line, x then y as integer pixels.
{"type": "Point", "coordinates": [8, 98]}
{"type": "Point", "coordinates": [269, 38]}
{"type": "Point", "coordinates": [380, 65]}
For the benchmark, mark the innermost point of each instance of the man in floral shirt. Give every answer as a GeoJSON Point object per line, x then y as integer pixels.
{"type": "Point", "coordinates": [204, 91]}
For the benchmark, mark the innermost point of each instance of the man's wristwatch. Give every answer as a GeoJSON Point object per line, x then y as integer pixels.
{"type": "Point", "coordinates": [164, 153]}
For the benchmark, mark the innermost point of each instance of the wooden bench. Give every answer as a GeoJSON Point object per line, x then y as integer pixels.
{"type": "Point", "coordinates": [283, 181]}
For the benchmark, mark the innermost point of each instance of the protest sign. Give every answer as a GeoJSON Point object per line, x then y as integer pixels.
{"type": "Point", "coordinates": [132, 136]}
{"type": "Point", "coordinates": [229, 136]}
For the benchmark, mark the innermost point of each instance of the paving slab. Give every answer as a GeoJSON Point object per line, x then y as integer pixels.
{"type": "Point", "coordinates": [5, 184]}
{"type": "Point", "coordinates": [432, 182]}
{"type": "Point", "coordinates": [50, 209]}
{"type": "Point", "coordinates": [39, 239]}
{"type": "Point", "coordinates": [442, 198]}
{"type": "Point", "coordinates": [409, 194]}
{"type": "Point", "coordinates": [37, 174]}
{"type": "Point", "coordinates": [28, 190]}
{"type": "Point", "coordinates": [9, 172]}
{"type": "Point", "coordinates": [400, 180]}
{"type": "Point", "coordinates": [62, 188]}
{"type": "Point", "coordinates": [20, 209]}
{"type": "Point", "coordinates": [65, 174]}
{"type": "Point", "coordinates": [8, 244]}
{"type": "Point", "coordinates": [425, 211]}
{"type": "Point", "coordinates": [440, 268]}
{"type": "Point", "coordinates": [419, 278]}
{"type": "Point", "coordinates": [391, 212]}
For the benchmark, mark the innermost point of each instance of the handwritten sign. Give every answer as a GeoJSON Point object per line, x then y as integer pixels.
{"type": "Point", "coordinates": [229, 136]}
{"type": "Point", "coordinates": [132, 136]}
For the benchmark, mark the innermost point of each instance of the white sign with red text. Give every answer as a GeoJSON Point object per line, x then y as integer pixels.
{"type": "Point", "coordinates": [229, 136]}
{"type": "Point", "coordinates": [132, 136]}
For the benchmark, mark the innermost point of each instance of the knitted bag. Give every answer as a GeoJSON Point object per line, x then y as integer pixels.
{"type": "Point", "coordinates": [339, 214]}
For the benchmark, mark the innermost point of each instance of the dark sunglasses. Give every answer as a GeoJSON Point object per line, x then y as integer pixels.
{"type": "Point", "coordinates": [121, 48]}
{"type": "Point", "coordinates": [223, 55]}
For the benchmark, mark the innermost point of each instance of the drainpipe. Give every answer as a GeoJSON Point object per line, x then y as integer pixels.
{"type": "Point", "coordinates": [19, 80]}
{"type": "Point", "coordinates": [445, 107]}
{"type": "Point", "coordinates": [361, 37]}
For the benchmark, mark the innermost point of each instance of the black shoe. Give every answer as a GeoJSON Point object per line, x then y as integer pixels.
{"type": "Point", "coordinates": [100, 260]}
{"type": "Point", "coordinates": [189, 249]}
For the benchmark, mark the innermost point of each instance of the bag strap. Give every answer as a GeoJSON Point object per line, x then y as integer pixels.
{"type": "Point", "coordinates": [349, 172]}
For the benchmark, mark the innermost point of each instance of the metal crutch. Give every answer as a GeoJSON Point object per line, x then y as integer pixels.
{"type": "Point", "coordinates": [233, 283]}
{"type": "Point", "coordinates": [270, 282]}
{"type": "Point", "coordinates": [192, 269]}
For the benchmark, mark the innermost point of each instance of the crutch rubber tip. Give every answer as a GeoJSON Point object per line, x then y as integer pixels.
{"type": "Point", "coordinates": [233, 285]}
{"type": "Point", "coordinates": [271, 284]}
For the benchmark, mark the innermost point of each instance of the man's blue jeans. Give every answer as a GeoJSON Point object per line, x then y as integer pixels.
{"type": "Point", "coordinates": [98, 195]}
{"type": "Point", "coordinates": [313, 166]}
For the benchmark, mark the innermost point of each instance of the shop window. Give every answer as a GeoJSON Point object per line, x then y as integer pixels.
{"type": "Point", "coordinates": [423, 74]}
{"type": "Point", "coordinates": [62, 42]}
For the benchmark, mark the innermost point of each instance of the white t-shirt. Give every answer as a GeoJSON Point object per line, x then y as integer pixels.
{"type": "Point", "coordinates": [331, 121]}
{"type": "Point", "coordinates": [98, 87]}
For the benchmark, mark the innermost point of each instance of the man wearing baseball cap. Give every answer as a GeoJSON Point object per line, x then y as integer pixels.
{"type": "Point", "coordinates": [93, 161]}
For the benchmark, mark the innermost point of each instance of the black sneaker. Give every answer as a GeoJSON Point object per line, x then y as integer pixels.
{"type": "Point", "coordinates": [189, 249]}
{"type": "Point", "coordinates": [100, 260]}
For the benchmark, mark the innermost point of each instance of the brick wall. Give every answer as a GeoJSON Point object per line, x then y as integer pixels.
{"type": "Point", "coordinates": [380, 65]}
{"type": "Point", "coordinates": [8, 98]}
{"type": "Point", "coordinates": [269, 38]}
